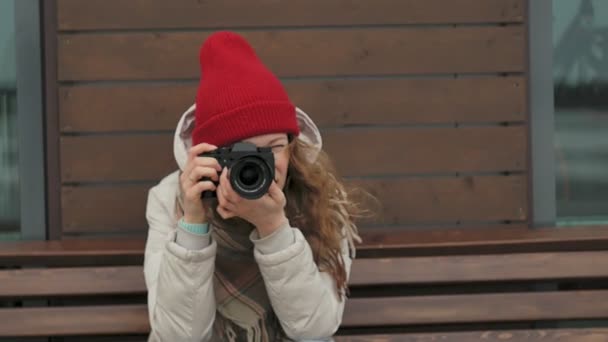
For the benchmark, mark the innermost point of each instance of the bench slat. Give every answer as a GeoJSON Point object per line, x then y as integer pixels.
{"type": "Point", "coordinates": [122, 319]}
{"type": "Point", "coordinates": [73, 252]}
{"type": "Point", "coordinates": [95, 320]}
{"type": "Point", "coordinates": [477, 308]}
{"type": "Point", "coordinates": [480, 268]}
{"type": "Point", "coordinates": [472, 241]}
{"type": "Point", "coordinates": [365, 272]}
{"type": "Point", "coordinates": [563, 335]}
{"type": "Point", "coordinates": [72, 281]}
{"type": "Point", "coordinates": [394, 242]}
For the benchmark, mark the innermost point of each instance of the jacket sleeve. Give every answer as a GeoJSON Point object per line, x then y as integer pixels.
{"type": "Point", "coordinates": [305, 299]}
{"type": "Point", "coordinates": [181, 301]}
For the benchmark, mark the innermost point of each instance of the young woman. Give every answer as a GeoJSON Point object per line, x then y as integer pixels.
{"type": "Point", "coordinates": [274, 268]}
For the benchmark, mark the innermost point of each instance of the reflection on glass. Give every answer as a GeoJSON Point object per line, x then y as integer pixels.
{"type": "Point", "coordinates": [9, 181]}
{"type": "Point", "coordinates": [580, 76]}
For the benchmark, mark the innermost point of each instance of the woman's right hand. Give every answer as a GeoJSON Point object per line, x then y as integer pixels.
{"type": "Point", "coordinates": [191, 185]}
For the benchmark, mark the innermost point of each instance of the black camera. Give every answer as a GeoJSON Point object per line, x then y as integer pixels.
{"type": "Point", "coordinates": [251, 169]}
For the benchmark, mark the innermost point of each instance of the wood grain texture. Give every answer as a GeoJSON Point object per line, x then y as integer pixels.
{"type": "Point", "coordinates": [404, 201]}
{"type": "Point", "coordinates": [153, 107]}
{"type": "Point", "coordinates": [117, 158]}
{"type": "Point", "coordinates": [356, 152]}
{"type": "Point", "coordinates": [386, 51]}
{"type": "Point", "coordinates": [561, 335]}
{"type": "Point", "coordinates": [410, 242]}
{"type": "Point", "coordinates": [514, 238]}
{"type": "Point", "coordinates": [479, 268]}
{"type": "Point", "coordinates": [476, 308]}
{"type": "Point", "coordinates": [82, 281]}
{"type": "Point", "coordinates": [133, 319]}
{"type": "Point", "coordinates": [85, 209]}
{"type": "Point", "coordinates": [66, 321]}
{"type": "Point", "coordinates": [152, 14]}
{"type": "Point", "coordinates": [77, 252]}
{"type": "Point", "coordinates": [471, 198]}
{"type": "Point", "coordinates": [72, 282]}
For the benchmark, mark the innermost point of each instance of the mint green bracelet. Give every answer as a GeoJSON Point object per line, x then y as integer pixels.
{"type": "Point", "coordinates": [195, 228]}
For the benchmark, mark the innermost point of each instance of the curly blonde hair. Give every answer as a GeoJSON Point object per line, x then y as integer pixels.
{"type": "Point", "coordinates": [323, 208]}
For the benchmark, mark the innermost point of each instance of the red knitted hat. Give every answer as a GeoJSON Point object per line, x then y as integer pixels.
{"type": "Point", "coordinates": [238, 97]}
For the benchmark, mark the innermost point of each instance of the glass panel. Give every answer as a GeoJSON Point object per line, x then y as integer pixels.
{"type": "Point", "coordinates": [580, 77]}
{"type": "Point", "coordinates": [9, 175]}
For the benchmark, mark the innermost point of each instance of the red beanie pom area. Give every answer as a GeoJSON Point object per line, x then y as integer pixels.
{"type": "Point", "coordinates": [238, 97]}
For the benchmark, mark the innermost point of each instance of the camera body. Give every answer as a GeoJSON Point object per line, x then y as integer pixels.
{"type": "Point", "coordinates": [251, 169]}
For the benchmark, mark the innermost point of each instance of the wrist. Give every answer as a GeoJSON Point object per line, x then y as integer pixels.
{"type": "Point", "coordinates": [271, 225]}
{"type": "Point", "coordinates": [194, 228]}
{"type": "Point", "coordinates": [194, 219]}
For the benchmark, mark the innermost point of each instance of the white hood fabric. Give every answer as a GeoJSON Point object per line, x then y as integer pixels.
{"type": "Point", "coordinates": [179, 271]}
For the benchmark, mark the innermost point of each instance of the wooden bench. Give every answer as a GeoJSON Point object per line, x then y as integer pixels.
{"type": "Point", "coordinates": [537, 287]}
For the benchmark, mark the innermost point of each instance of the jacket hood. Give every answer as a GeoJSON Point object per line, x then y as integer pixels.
{"type": "Point", "coordinates": [309, 133]}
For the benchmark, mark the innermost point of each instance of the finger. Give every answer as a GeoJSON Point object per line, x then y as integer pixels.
{"type": "Point", "coordinates": [207, 162]}
{"type": "Point", "coordinates": [192, 154]}
{"type": "Point", "coordinates": [274, 191]}
{"type": "Point", "coordinates": [223, 201]}
{"type": "Point", "coordinates": [194, 151]}
{"type": "Point", "coordinates": [224, 177]}
{"type": "Point", "coordinates": [277, 194]}
{"type": "Point", "coordinates": [224, 182]}
{"type": "Point", "coordinates": [201, 172]}
{"type": "Point", "coordinates": [224, 194]}
{"type": "Point", "coordinates": [194, 193]}
{"type": "Point", "coordinates": [224, 213]}
{"type": "Point", "coordinates": [229, 192]}
{"type": "Point", "coordinates": [186, 173]}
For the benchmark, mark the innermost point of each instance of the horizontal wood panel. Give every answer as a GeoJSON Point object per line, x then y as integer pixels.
{"type": "Point", "coordinates": [449, 309]}
{"type": "Point", "coordinates": [85, 209]}
{"type": "Point", "coordinates": [365, 272]}
{"type": "Point", "coordinates": [24, 322]}
{"type": "Point", "coordinates": [404, 201]}
{"type": "Point", "coordinates": [356, 152]}
{"type": "Point", "coordinates": [537, 335]}
{"type": "Point", "coordinates": [513, 238]}
{"type": "Point", "coordinates": [75, 252]}
{"type": "Point", "coordinates": [66, 321]}
{"type": "Point", "coordinates": [72, 281]}
{"type": "Point", "coordinates": [396, 151]}
{"type": "Point", "coordinates": [406, 242]}
{"type": "Point", "coordinates": [113, 158]}
{"type": "Point", "coordinates": [489, 239]}
{"type": "Point", "coordinates": [330, 103]}
{"type": "Point", "coordinates": [174, 55]}
{"type": "Point", "coordinates": [425, 200]}
{"type": "Point", "coordinates": [135, 14]}
{"type": "Point", "coordinates": [358, 312]}
{"type": "Point", "coordinates": [479, 268]}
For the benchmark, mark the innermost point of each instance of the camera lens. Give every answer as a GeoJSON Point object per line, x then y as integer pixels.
{"type": "Point", "coordinates": [251, 177]}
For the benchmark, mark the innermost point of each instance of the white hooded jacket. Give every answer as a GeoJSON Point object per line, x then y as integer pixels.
{"type": "Point", "coordinates": [179, 267]}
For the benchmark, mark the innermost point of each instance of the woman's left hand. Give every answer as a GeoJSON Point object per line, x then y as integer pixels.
{"type": "Point", "coordinates": [267, 213]}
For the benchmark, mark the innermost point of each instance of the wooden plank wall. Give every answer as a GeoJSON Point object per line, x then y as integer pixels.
{"type": "Point", "coordinates": [421, 101]}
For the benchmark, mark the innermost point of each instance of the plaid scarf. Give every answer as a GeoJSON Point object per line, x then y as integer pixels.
{"type": "Point", "coordinates": [243, 309]}
{"type": "Point", "coordinates": [244, 312]}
